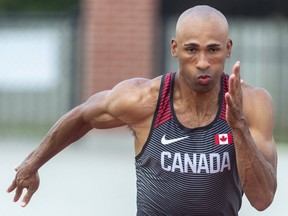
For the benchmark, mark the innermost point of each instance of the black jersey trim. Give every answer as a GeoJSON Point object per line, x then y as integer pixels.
{"type": "Point", "coordinates": [163, 78]}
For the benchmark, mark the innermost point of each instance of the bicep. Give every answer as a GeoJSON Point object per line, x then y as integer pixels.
{"type": "Point", "coordinates": [95, 112]}
{"type": "Point", "coordinates": [128, 103]}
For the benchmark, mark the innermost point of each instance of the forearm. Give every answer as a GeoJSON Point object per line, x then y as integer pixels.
{"type": "Point", "coordinates": [257, 175]}
{"type": "Point", "coordinates": [65, 131]}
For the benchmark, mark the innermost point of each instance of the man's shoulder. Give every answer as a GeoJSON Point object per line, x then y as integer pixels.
{"type": "Point", "coordinates": [138, 83]}
{"type": "Point", "coordinates": [254, 93]}
{"type": "Point", "coordinates": [134, 99]}
{"type": "Point", "coordinates": [255, 99]}
{"type": "Point", "coordinates": [135, 92]}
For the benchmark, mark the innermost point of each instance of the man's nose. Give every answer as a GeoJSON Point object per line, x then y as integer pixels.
{"type": "Point", "coordinates": [202, 62]}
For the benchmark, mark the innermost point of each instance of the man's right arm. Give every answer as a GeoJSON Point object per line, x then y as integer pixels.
{"type": "Point", "coordinates": [68, 129]}
{"type": "Point", "coordinates": [127, 103]}
{"type": "Point", "coordinates": [71, 127]}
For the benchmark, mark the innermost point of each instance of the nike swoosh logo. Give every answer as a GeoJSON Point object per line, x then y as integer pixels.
{"type": "Point", "coordinates": [165, 141]}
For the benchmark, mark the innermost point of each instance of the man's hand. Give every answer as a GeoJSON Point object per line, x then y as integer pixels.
{"type": "Point", "coordinates": [24, 179]}
{"type": "Point", "coordinates": [234, 111]}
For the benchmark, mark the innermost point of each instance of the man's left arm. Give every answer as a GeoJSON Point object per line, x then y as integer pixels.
{"type": "Point", "coordinates": [250, 114]}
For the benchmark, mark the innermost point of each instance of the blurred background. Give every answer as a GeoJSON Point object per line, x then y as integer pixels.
{"type": "Point", "coordinates": [55, 54]}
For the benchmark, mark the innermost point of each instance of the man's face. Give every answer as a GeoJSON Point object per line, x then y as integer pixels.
{"type": "Point", "coordinates": [201, 47]}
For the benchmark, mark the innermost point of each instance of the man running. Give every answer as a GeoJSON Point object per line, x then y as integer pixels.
{"type": "Point", "coordinates": [202, 138]}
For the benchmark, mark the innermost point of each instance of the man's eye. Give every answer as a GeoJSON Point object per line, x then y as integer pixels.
{"type": "Point", "coordinates": [213, 50]}
{"type": "Point", "coordinates": [191, 50]}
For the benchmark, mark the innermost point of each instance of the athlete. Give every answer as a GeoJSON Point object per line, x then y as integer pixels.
{"type": "Point", "coordinates": [202, 138]}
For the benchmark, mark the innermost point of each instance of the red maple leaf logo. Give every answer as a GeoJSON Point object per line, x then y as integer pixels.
{"type": "Point", "coordinates": [223, 139]}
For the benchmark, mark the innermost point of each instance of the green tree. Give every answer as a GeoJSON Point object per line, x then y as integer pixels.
{"type": "Point", "coordinates": [39, 5]}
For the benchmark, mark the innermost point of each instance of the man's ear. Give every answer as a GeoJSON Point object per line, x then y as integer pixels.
{"type": "Point", "coordinates": [174, 52]}
{"type": "Point", "coordinates": [229, 48]}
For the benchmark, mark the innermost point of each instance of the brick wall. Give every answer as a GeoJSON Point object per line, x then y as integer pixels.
{"type": "Point", "coordinates": [118, 42]}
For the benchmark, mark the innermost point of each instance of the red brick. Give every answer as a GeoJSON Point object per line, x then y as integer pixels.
{"type": "Point", "coordinates": [118, 42]}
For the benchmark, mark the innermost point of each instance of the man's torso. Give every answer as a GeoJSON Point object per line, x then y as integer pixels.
{"type": "Point", "coordinates": [187, 171]}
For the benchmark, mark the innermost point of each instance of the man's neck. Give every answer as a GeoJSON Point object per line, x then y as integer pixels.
{"type": "Point", "coordinates": [195, 108]}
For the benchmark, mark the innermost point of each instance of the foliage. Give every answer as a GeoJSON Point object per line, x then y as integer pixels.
{"type": "Point", "coordinates": [38, 5]}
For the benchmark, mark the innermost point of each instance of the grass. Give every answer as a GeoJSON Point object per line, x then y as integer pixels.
{"type": "Point", "coordinates": [23, 130]}
{"type": "Point", "coordinates": [281, 138]}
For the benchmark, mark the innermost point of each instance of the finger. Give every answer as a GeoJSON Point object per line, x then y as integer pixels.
{"type": "Point", "coordinates": [236, 69]}
{"type": "Point", "coordinates": [26, 199]}
{"type": "Point", "coordinates": [231, 83]}
{"type": "Point", "coordinates": [234, 79]}
{"type": "Point", "coordinates": [18, 193]}
{"type": "Point", "coordinates": [228, 99]}
{"type": "Point", "coordinates": [11, 187]}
